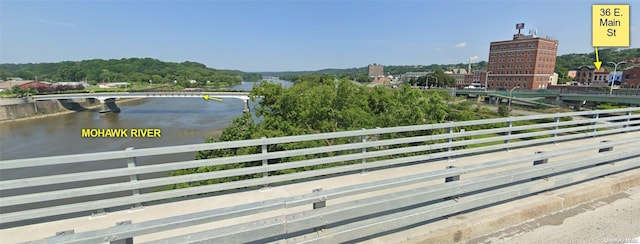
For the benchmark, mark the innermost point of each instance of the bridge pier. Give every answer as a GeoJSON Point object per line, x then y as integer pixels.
{"type": "Point", "coordinates": [246, 105]}
{"type": "Point", "coordinates": [109, 105]}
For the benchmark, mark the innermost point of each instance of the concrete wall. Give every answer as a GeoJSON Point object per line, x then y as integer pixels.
{"type": "Point", "coordinates": [16, 111]}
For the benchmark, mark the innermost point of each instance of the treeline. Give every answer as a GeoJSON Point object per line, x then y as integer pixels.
{"type": "Point", "coordinates": [132, 70]}
{"type": "Point", "coordinates": [316, 104]}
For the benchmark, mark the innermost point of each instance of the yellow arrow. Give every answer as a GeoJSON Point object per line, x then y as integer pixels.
{"type": "Point", "coordinates": [207, 97]}
{"type": "Point", "coordinates": [597, 63]}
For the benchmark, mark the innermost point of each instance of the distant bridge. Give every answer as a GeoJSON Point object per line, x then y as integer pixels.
{"type": "Point", "coordinates": [107, 99]}
{"type": "Point", "coordinates": [560, 96]}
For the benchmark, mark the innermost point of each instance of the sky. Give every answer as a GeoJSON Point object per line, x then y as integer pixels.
{"type": "Point", "coordinates": [279, 35]}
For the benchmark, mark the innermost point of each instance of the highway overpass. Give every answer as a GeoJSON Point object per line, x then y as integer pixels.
{"type": "Point", "coordinates": [558, 97]}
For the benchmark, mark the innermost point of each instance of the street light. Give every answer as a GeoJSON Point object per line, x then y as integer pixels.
{"type": "Point", "coordinates": [510, 97]}
{"type": "Point", "coordinates": [613, 78]}
{"type": "Point", "coordinates": [486, 79]}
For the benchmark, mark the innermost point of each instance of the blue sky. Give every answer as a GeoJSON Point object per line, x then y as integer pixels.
{"type": "Point", "coordinates": [280, 35]}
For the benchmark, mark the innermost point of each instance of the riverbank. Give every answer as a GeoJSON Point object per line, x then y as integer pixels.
{"type": "Point", "coordinates": [63, 111]}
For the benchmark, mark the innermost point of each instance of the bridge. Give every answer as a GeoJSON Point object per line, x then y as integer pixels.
{"type": "Point", "coordinates": [107, 99]}
{"type": "Point", "coordinates": [375, 184]}
{"type": "Point", "coordinates": [557, 96]}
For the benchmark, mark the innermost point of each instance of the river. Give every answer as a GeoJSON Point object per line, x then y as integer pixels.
{"type": "Point", "coordinates": [181, 121]}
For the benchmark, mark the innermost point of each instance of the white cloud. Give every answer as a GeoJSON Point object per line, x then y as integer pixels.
{"type": "Point", "coordinates": [52, 22]}
{"type": "Point", "coordinates": [437, 49]}
{"type": "Point", "coordinates": [474, 58]}
{"type": "Point", "coordinates": [461, 45]}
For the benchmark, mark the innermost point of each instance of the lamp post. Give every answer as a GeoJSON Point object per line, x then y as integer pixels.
{"type": "Point", "coordinates": [436, 85]}
{"type": "Point", "coordinates": [486, 79]}
{"type": "Point", "coordinates": [613, 78]}
{"type": "Point", "coordinates": [510, 97]}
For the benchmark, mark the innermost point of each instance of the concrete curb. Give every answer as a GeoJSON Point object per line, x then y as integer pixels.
{"type": "Point", "coordinates": [476, 224]}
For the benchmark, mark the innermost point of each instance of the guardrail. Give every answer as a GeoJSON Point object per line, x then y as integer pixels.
{"type": "Point", "coordinates": [368, 150]}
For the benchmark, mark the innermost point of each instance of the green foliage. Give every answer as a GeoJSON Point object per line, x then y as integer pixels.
{"type": "Point", "coordinates": [503, 111]}
{"type": "Point", "coordinates": [133, 70]}
{"type": "Point", "coordinates": [318, 104]}
{"type": "Point", "coordinates": [251, 77]}
{"type": "Point", "coordinates": [609, 106]}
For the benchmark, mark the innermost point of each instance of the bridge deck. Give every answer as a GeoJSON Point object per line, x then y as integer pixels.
{"type": "Point", "coordinates": [81, 224]}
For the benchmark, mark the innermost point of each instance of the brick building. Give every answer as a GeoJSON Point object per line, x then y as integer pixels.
{"type": "Point", "coordinates": [376, 70]}
{"type": "Point", "coordinates": [526, 61]}
{"type": "Point", "coordinates": [631, 78]}
{"type": "Point", "coordinates": [585, 75]}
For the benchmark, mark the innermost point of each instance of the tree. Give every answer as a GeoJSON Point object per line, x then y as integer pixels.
{"type": "Point", "coordinates": [503, 111]}
{"type": "Point", "coordinates": [18, 91]}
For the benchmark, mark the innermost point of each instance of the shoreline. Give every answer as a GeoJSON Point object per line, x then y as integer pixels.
{"type": "Point", "coordinates": [40, 116]}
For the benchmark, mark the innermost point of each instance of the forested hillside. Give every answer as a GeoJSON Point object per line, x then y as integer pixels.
{"type": "Point", "coordinates": [125, 70]}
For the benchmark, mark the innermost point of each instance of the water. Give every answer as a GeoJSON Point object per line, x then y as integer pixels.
{"type": "Point", "coordinates": [181, 120]}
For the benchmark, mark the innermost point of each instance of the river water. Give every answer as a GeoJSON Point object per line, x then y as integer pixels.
{"type": "Point", "coordinates": [181, 121]}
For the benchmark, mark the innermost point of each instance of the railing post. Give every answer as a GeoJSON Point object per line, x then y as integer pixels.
{"type": "Point", "coordinates": [628, 120]}
{"type": "Point", "coordinates": [509, 125]}
{"type": "Point", "coordinates": [319, 203]}
{"type": "Point", "coordinates": [555, 134]}
{"type": "Point", "coordinates": [451, 179]}
{"type": "Point", "coordinates": [126, 240]}
{"type": "Point", "coordinates": [131, 163]}
{"type": "Point", "coordinates": [364, 150]}
{"type": "Point", "coordinates": [538, 162]}
{"type": "Point", "coordinates": [450, 131]}
{"type": "Point", "coordinates": [604, 149]}
{"type": "Point", "coordinates": [265, 162]}
{"type": "Point", "coordinates": [594, 123]}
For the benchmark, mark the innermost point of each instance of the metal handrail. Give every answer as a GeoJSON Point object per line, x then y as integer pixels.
{"type": "Point", "coordinates": [624, 121]}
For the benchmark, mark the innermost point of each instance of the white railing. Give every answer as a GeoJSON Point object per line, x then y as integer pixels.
{"type": "Point", "coordinates": [367, 149]}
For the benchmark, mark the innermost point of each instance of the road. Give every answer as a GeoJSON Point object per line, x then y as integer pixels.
{"type": "Point", "coordinates": [615, 219]}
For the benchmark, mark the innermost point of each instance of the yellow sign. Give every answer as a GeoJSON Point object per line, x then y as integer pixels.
{"type": "Point", "coordinates": [610, 25]}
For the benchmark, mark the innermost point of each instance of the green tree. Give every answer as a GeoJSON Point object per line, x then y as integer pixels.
{"type": "Point", "coordinates": [503, 111]}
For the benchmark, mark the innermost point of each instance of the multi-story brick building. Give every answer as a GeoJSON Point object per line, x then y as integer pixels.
{"type": "Point", "coordinates": [376, 70]}
{"type": "Point", "coordinates": [631, 78]}
{"type": "Point", "coordinates": [526, 61]}
{"type": "Point", "coordinates": [479, 77]}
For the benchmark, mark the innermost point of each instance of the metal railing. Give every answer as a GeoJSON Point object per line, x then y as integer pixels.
{"type": "Point", "coordinates": [369, 149]}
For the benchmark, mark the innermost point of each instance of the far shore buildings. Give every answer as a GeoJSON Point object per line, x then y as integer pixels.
{"type": "Point", "coordinates": [585, 75]}
{"type": "Point", "coordinates": [631, 78]}
{"type": "Point", "coordinates": [113, 85]}
{"type": "Point", "coordinates": [526, 61]}
{"type": "Point", "coordinates": [458, 75]}
{"type": "Point", "coordinates": [376, 73]}
{"type": "Point", "coordinates": [376, 70]}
